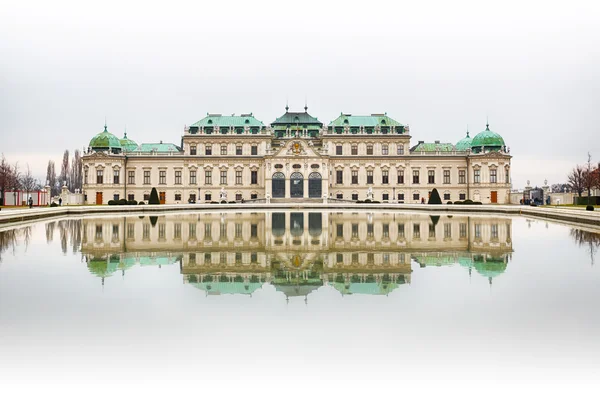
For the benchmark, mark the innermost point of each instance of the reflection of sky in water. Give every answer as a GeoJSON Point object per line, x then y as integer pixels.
{"type": "Point", "coordinates": [454, 309]}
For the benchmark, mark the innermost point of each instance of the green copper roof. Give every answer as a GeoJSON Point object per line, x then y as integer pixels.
{"type": "Point", "coordinates": [300, 118]}
{"type": "Point", "coordinates": [432, 147]}
{"type": "Point", "coordinates": [366, 121]}
{"type": "Point", "coordinates": [128, 144]}
{"type": "Point", "coordinates": [228, 121]}
{"type": "Point", "coordinates": [487, 138]}
{"type": "Point", "coordinates": [464, 143]}
{"type": "Point", "coordinates": [105, 140]}
{"type": "Point", "coordinates": [490, 269]}
{"type": "Point", "coordinates": [158, 147]}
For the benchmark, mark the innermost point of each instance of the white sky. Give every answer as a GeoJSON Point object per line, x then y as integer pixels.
{"type": "Point", "coordinates": [532, 67]}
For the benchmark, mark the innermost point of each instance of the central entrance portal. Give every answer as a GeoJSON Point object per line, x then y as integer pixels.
{"type": "Point", "coordinates": [297, 185]}
{"type": "Point", "coordinates": [278, 185]}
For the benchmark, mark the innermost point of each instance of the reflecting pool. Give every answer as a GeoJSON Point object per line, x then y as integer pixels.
{"type": "Point", "coordinates": [250, 298]}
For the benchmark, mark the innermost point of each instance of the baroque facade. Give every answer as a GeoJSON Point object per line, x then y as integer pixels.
{"type": "Point", "coordinates": [297, 158]}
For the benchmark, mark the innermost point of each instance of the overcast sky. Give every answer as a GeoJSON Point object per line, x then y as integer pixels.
{"type": "Point", "coordinates": [533, 68]}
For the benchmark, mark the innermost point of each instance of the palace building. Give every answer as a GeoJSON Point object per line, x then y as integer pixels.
{"type": "Point", "coordinates": [297, 158]}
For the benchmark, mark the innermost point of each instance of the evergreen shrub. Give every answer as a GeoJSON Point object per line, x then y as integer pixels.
{"type": "Point", "coordinates": [154, 197]}
{"type": "Point", "coordinates": [434, 198]}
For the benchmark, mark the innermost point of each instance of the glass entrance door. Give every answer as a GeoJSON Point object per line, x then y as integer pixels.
{"type": "Point", "coordinates": [314, 185]}
{"type": "Point", "coordinates": [297, 185]}
{"type": "Point", "coordinates": [278, 185]}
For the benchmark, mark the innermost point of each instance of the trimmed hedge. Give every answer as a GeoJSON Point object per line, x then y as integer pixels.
{"type": "Point", "coordinates": [434, 198]}
{"type": "Point", "coordinates": [449, 203]}
{"type": "Point", "coordinates": [589, 208]}
{"type": "Point", "coordinates": [54, 204]}
{"type": "Point", "coordinates": [141, 203]}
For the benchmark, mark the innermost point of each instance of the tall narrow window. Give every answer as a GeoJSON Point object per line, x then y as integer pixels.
{"type": "Point", "coordinates": [208, 177]}
{"type": "Point", "coordinates": [254, 177]}
{"type": "Point", "coordinates": [238, 150]}
{"type": "Point", "coordinates": [254, 150]}
{"type": "Point", "coordinates": [369, 150]}
{"type": "Point", "coordinates": [116, 176]}
{"type": "Point", "coordinates": [146, 177]}
{"type": "Point", "coordinates": [223, 150]}
{"type": "Point", "coordinates": [384, 150]}
{"type": "Point", "coordinates": [192, 177]}
{"type": "Point", "coordinates": [223, 177]}
{"type": "Point", "coordinates": [85, 176]}
{"type": "Point", "coordinates": [339, 175]}
{"type": "Point", "coordinates": [354, 150]}
{"type": "Point", "coordinates": [354, 177]}
{"type": "Point", "coordinates": [415, 176]}
{"type": "Point", "coordinates": [162, 177]}
{"type": "Point", "coordinates": [401, 176]}
{"type": "Point", "coordinates": [193, 150]}
{"type": "Point", "coordinates": [400, 150]}
{"type": "Point", "coordinates": [100, 176]}
{"type": "Point", "coordinates": [476, 176]}
{"type": "Point", "coordinates": [431, 177]}
{"type": "Point", "coordinates": [238, 177]}
{"type": "Point", "coordinates": [493, 176]}
{"type": "Point", "coordinates": [131, 177]}
{"type": "Point", "coordinates": [385, 177]}
{"type": "Point", "coordinates": [462, 176]}
{"type": "Point", "coordinates": [177, 177]}
{"type": "Point", "coordinates": [369, 177]}
{"type": "Point", "coordinates": [208, 150]}
{"type": "Point", "coordinates": [446, 176]}
{"type": "Point", "coordinates": [338, 150]}
{"type": "Point", "coordinates": [506, 176]}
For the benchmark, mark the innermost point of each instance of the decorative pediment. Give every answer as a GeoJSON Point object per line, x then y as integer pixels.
{"type": "Point", "coordinates": [296, 148]}
{"type": "Point", "coordinates": [495, 154]}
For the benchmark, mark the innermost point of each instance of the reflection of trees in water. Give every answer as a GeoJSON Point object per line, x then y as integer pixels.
{"type": "Point", "coordinates": [69, 232]}
{"type": "Point", "coordinates": [9, 239]}
{"type": "Point", "coordinates": [587, 239]}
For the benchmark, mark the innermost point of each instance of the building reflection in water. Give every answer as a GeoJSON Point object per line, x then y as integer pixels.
{"type": "Point", "coordinates": [297, 252]}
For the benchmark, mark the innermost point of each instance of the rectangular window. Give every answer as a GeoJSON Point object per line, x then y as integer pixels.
{"type": "Point", "coordinates": [494, 232]}
{"type": "Point", "coordinates": [447, 196]}
{"type": "Point", "coordinates": [162, 177]}
{"type": "Point", "coordinates": [253, 230]}
{"type": "Point", "coordinates": [506, 176]}
{"type": "Point", "coordinates": [208, 150]}
{"type": "Point", "coordinates": [386, 231]}
{"type": "Point", "coordinates": [401, 197]}
{"type": "Point", "coordinates": [415, 177]}
{"type": "Point", "coordinates": [385, 177]}
{"type": "Point", "coordinates": [238, 177]}
{"type": "Point", "coordinates": [177, 177]}
{"type": "Point", "coordinates": [462, 197]}
{"type": "Point", "coordinates": [253, 196]}
{"type": "Point", "coordinates": [238, 150]}
{"type": "Point", "coordinates": [354, 177]}
{"type": "Point", "coordinates": [162, 230]}
{"type": "Point", "coordinates": [146, 197]}
{"type": "Point", "coordinates": [192, 230]}
{"type": "Point", "coordinates": [447, 231]}
{"type": "Point", "coordinates": [339, 175]}
{"type": "Point", "coordinates": [340, 230]}
{"type": "Point", "coordinates": [238, 197]}
{"type": "Point", "coordinates": [115, 197]}
{"type": "Point", "coordinates": [493, 177]}
{"type": "Point", "coordinates": [401, 231]}
{"type": "Point", "coordinates": [178, 197]}
{"type": "Point", "coordinates": [477, 231]}
{"type": "Point", "coordinates": [254, 177]}
{"type": "Point", "coordinates": [223, 150]}
{"type": "Point", "coordinates": [146, 177]}
{"type": "Point", "coordinates": [400, 149]}
{"type": "Point", "coordinates": [192, 177]}
{"type": "Point", "coordinates": [369, 150]}
{"type": "Point", "coordinates": [462, 176]}
{"type": "Point", "coordinates": [85, 176]}
{"type": "Point", "coordinates": [417, 231]}
{"type": "Point", "coordinates": [354, 150]}
{"type": "Point", "coordinates": [355, 197]}
{"type": "Point", "coordinates": [131, 177]}
{"type": "Point", "coordinates": [254, 150]}
{"type": "Point", "coordinates": [223, 177]}
{"type": "Point", "coordinates": [415, 197]}
{"type": "Point", "coordinates": [208, 177]}
{"type": "Point", "coordinates": [207, 197]}
{"type": "Point", "coordinates": [476, 176]}
{"type": "Point", "coordinates": [384, 150]}
{"type": "Point", "coordinates": [354, 231]}
{"type": "Point", "coordinates": [401, 177]}
{"type": "Point", "coordinates": [462, 229]}
{"type": "Point", "coordinates": [446, 176]}
{"type": "Point", "coordinates": [338, 150]}
{"type": "Point", "coordinates": [193, 150]}
{"type": "Point", "coordinates": [130, 197]}
{"type": "Point", "coordinates": [130, 231]}
{"type": "Point", "coordinates": [99, 176]}
{"type": "Point", "coordinates": [116, 176]}
{"type": "Point", "coordinates": [369, 177]}
{"type": "Point", "coordinates": [431, 177]}
{"type": "Point", "coordinates": [385, 197]}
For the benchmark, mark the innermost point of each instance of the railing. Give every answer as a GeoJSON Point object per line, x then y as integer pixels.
{"type": "Point", "coordinates": [336, 200]}
{"type": "Point", "coordinates": [261, 200]}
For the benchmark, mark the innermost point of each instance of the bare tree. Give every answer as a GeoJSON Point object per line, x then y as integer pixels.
{"type": "Point", "coordinates": [575, 179]}
{"type": "Point", "coordinates": [64, 170]}
{"type": "Point", "coordinates": [28, 182]}
{"type": "Point", "coordinates": [76, 172]}
{"type": "Point", "coordinates": [589, 178]}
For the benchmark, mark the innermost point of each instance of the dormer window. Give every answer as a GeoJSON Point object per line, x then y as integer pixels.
{"type": "Point", "coordinates": [209, 121]}
{"type": "Point", "coordinates": [346, 121]}
{"type": "Point", "coordinates": [246, 121]}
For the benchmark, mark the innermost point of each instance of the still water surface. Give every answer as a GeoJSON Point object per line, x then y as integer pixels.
{"type": "Point", "coordinates": [251, 298]}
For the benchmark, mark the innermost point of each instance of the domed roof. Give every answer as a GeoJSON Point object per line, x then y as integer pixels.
{"type": "Point", "coordinates": [464, 143]}
{"type": "Point", "coordinates": [128, 144]}
{"type": "Point", "coordinates": [105, 140]}
{"type": "Point", "coordinates": [487, 138]}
